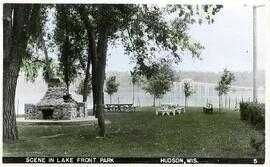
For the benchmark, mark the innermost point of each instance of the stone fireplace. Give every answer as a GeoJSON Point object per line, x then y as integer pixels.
{"type": "Point", "coordinates": [47, 114]}
{"type": "Point", "coordinates": [55, 104]}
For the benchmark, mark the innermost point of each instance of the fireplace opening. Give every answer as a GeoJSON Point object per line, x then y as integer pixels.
{"type": "Point", "coordinates": [47, 114]}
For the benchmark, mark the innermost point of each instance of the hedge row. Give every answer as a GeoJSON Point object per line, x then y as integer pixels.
{"type": "Point", "coordinates": [254, 113]}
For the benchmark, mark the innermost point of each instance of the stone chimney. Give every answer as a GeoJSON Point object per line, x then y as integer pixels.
{"type": "Point", "coordinates": [53, 105]}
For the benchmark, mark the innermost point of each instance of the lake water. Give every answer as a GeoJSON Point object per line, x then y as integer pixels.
{"type": "Point", "coordinates": [204, 92]}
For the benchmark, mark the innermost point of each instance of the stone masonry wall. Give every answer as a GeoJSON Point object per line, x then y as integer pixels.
{"type": "Point", "coordinates": [31, 112]}
{"type": "Point", "coordinates": [61, 112]}
{"type": "Point", "coordinates": [54, 100]}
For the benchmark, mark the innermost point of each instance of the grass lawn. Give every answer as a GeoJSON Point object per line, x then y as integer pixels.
{"type": "Point", "coordinates": [142, 134]}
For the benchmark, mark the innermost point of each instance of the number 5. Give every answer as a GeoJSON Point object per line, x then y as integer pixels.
{"type": "Point", "coordinates": [255, 161]}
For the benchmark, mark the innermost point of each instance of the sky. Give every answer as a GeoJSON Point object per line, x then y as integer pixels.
{"type": "Point", "coordinates": [228, 43]}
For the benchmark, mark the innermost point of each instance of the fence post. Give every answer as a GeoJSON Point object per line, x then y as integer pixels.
{"type": "Point", "coordinates": [225, 102]}
{"type": "Point", "coordinates": [229, 102]}
{"type": "Point", "coordinates": [236, 103]}
{"type": "Point", "coordinates": [242, 99]}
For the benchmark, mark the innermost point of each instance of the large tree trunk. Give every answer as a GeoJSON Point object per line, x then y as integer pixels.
{"type": "Point", "coordinates": [15, 30]}
{"type": "Point", "coordinates": [92, 46]}
{"type": "Point", "coordinates": [154, 101]}
{"type": "Point", "coordinates": [67, 88]}
{"type": "Point", "coordinates": [87, 76]}
{"type": "Point", "coordinates": [98, 57]}
{"type": "Point", "coordinates": [66, 62]}
{"type": "Point", "coordinates": [47, 60]}
{"type": "Point", "coordinates": [92, 54]}
{"type": "Point", "coordinates": [9, 89]}
{"type": "Point", "coordinates": [102, 47]}
{"type": "Point", "coordinates": [94, 91]}
{"type": "Point", "coordinates": [9, 119]}
{"type": "Point", "coordinates": [133, 93]}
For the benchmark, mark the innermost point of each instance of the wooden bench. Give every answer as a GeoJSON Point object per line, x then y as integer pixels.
{"type": "Point", "coordinates": [208, 108]}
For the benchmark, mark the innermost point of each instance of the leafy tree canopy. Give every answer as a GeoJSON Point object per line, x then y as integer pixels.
{"type": "Point", "coordinates": [153, 29]}
{"type": "Point", "coordinates": [69, 37]}
{"type": "Point", "coordinates": [34, 59]}
{"type": "Point", "coordinates": [225, 82]}
{"type": "Point", "coordinates": [80, 87]}
{"type": "Point", "coordinates": [160, 83]}
{"type": "Point", "coordinates": [111, 85]}
{"type": "Point", "coordinates": [31, 67]}
{"type": "Point", "coordinates": [146, 30]}
{"type": "Point", "coordinates": [188, 91]}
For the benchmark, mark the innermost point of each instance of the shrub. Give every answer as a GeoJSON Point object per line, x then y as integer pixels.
{"type": "Point", "coordinates": [254, 113]}
{"type": "Point", "coordinates": [244, 111]}
{"type": "Point", "coordinates": [258, 145]}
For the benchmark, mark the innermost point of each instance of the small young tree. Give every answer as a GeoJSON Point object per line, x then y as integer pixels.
{"type": "Point", "coordinates": [188, 91]}
{"type": "Point", "coordinates": [224, 85]}
{"type": "Point", "coordinates": [160, 82]}
{"type": "Point", "coordinates": [80, 88]}
{"type": "Point", "coordinates": [111, 86]}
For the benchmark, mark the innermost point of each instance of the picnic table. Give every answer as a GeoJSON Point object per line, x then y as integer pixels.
{"type": "Point", "coordinates": [167, 110]}
{"type": "Point", "coordinates": [119, 107]}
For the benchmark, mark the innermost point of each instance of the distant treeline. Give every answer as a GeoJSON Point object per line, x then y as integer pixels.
{"type": "Point", "coordinates": [242, 78]}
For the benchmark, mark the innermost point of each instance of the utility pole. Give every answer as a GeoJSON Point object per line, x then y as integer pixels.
{"type": "Point", "coordinates": [255, 52]}
{"type": "Point", "coordinates": [254, 55]}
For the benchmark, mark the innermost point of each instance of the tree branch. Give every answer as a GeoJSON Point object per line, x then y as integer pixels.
{"type": "Point", "coordinates": [132, 43]}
